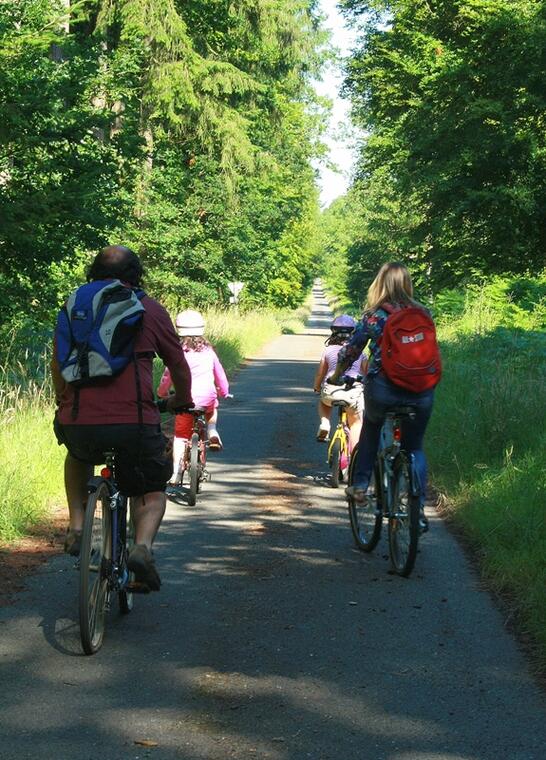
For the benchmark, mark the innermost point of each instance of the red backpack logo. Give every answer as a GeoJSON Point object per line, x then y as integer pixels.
{"type": "Point", "coordinates": [410, 355]}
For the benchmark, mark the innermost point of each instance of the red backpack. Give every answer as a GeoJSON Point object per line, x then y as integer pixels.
{"type": "Point", "coordinates": [410, 356]}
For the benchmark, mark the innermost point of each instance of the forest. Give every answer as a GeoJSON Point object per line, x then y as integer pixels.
{"type": "Point", "coordinates": [449, 96]}
{"type": "Point", "coordinates": [182, 128]}
{"type": "Point", "coordinates": [191, 131]}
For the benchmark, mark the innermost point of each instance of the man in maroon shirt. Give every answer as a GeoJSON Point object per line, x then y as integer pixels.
{"type": "Point", "coordinates": [106, 416]}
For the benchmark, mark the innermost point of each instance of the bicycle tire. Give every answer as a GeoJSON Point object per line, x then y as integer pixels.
{"type": "Point", "coordinates": [335, 463]}
{"type": "Point", "coordinates": [404, 525]}
{"type": "Point", "coordinates": [126, 597]}
{"type": "Point", "coordinates": [202, 461]}
{"type": "Point", "coordinates": [95, 554]}
{"type": "Point", "coordinates": [366, 520]}
{"type": "Point", "coordinates": [194, 470]}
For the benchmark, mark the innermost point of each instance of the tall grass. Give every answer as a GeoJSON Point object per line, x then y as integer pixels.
{"type": "Point", "coordinates": [486, 440]}
{"type": "Point", "coordinates": [238, 334]}
{"type": "Point", "coordinates": [31, 472]}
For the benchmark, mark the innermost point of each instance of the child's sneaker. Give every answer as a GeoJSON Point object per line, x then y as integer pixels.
{"type": "Point", "coordinates": [215, 442]}
{"type": "Point", "coordinates": [322, 434]}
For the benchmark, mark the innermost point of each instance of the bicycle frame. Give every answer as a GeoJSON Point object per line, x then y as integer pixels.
{"type": "Point", "coordinates": [390, 447]}
{"type": "Point", "coordinates": [341, 433]}
{"type": "Point", "coordinates": [199, 428]}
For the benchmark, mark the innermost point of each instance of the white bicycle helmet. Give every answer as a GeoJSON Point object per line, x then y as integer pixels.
{"type": "Point", "coordinates": [190, 323]}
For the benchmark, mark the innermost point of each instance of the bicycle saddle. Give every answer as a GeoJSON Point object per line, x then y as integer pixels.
{"type": "Point", "coordinates": [197, 410]}
{"type": "Point", "coordinates": [403, 411]}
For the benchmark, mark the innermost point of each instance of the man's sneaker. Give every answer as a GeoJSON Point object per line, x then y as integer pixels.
{"type": "Point", "coordinates": [141, 562]}
{"type": "Point", "coordinates": [73, 542]}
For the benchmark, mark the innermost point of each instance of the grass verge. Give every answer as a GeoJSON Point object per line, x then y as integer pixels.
{"type": "Point", "coordinates": [486, 442]}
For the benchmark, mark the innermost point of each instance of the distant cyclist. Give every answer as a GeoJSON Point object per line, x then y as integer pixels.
{"type": "Point", "coordinates": [208, 381]}
{"type": "Point", "coordinates": [391, 297]}
{"type": "Point", "coordinates": [341, 330]}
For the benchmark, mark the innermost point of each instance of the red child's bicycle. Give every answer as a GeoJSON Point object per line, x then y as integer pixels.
{"type": "Point", "coordinates": [193, 462]}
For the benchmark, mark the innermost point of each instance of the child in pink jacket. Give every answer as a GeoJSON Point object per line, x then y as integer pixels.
{"type": "Point", "coordinates": [208, 380]}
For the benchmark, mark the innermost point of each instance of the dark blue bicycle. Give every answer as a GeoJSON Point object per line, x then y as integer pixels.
{"type": "Point", "coordinates": [394, 493]}
{"type": "Point", "coordinates": [107, 538]}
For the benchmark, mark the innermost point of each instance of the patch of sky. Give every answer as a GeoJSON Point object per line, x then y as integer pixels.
{"type": "Point", "coordinates": [341, 138]}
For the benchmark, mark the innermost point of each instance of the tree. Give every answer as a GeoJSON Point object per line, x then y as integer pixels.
{"type": "Point", "coordinates": [451, 94]}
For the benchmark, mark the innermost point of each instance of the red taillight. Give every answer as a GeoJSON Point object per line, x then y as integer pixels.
{"type": "Point", "coordinates": [397, 434]}
{"type": "Point", "coordinates": [106, 472]}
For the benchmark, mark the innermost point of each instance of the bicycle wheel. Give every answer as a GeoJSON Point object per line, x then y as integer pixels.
{"type": "Point", "coordinates": [194, 469]}
{"type": "Point", "coordinates": [125, 596]}
{"type": "Point", "coordinates": [95, 556]}
{"type": "Point", "coordinates": [404, 521]}
{"type": "Point", "coordinates": [365, 519]}
{"type": "Point", "coordinates": [335, 463]}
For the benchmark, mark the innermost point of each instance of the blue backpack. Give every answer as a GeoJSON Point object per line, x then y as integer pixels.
{"type": "Point", "coordinates": [96, 330]}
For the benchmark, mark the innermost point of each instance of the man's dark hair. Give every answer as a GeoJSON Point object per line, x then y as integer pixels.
{"type": "Point", "coordinates": [119, 262]}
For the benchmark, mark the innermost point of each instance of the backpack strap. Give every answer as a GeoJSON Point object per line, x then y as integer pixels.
{"type": "Point", "coordinates": [390, 308]}
{"type": "Point", "coordinates": [138, 392]}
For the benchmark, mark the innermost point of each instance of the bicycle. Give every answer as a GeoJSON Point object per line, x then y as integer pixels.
{"type": "Point", "coordinates": [393, 493]}
{"type": "Point", "coordinates": [107, 539]}
{"type": "Point", "coordinates": [194, 460]}
{"type": "Point", "coordinates": [338, 448]}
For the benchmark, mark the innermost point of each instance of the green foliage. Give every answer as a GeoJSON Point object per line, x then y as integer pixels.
{"type": "Point", "coordinates": [486, 443]}
{"type": "Point", "coordinates": [184, 129]}
{"type": "Point", "coordinates": [451, 173]}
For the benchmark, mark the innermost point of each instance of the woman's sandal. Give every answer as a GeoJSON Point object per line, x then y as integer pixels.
{"type": "Point", "coordinates": [358, 494]}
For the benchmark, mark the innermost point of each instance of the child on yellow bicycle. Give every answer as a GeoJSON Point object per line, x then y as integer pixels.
{"type": "Point", "coordinates": [341, 330]}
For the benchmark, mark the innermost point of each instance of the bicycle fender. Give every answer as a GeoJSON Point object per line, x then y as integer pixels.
{"type": "Point", "coordinates": [94, 482]}
{"type": "Point", "coordinates": [415, 481]}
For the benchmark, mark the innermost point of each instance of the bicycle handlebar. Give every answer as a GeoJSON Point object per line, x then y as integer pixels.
{"type": "Point", "coordinates": [347, 382]}
{"type": "Point", "coordinates": [162, 406]}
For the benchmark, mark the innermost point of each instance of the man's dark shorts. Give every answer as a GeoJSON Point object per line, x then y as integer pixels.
{"type": "Point", "coordinates": [142, 463]}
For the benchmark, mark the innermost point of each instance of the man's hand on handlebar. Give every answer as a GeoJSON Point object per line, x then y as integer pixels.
{"type": "Point", "coordinates": [174, 405]}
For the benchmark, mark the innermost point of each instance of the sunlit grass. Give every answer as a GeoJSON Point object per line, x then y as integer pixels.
{"type": "Point", "coordinates": [31, 471]}
{"type": "Point", "coordinates": [487, 450]}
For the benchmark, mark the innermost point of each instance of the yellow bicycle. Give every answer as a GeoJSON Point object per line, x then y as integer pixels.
{"type": "Point", "coordinates": [338, 448]}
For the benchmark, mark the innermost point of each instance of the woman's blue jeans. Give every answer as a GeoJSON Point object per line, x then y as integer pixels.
{"type": "Point", "coordinates": [379, 396]}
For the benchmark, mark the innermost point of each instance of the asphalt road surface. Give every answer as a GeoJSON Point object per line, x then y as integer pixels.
{"type": "Point", "coordinates": [272, 637]}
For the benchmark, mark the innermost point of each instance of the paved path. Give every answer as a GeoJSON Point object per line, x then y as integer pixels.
{"type": "Point", "coordinates": [272, 637]}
